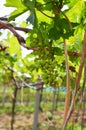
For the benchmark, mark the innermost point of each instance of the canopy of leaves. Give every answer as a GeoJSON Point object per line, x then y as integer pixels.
{"type": "Point", "coordinates": [52, 21]}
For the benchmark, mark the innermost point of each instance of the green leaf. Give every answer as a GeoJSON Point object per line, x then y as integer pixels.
{"type": "Point", "coordinates": [68, 34]}
{"type": "Point", "coordinates": [54, 34]}
{"type": "Point", "coordinates": [14, 3]}
{"type": "Point", "coordinates": [75, 10]}
{"type": "Point", "coordinates": [31, 18]}
{"type": "Point", "coordinates": [29, 3]}
{"type": "Point", "coordinates": [46, 6]}
{"type": "Point", "coordinates": [14, 47]}
{"type": "Point", "coordinates": [16, 13]}
{"type": "Point", "coordinates": [42, 18]}
{"type": "Point", "coordinates": [17, 4]}
{"type": "Point", "coordinates": [57, 51]}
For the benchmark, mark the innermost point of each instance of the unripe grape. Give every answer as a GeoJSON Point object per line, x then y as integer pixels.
{"type": "Point", "coordinates": [34, 35]}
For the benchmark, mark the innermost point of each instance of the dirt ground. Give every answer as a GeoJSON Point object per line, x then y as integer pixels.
{"type": "Point", "coordinates": [47, 120]}
{"type": "Point", "coordinates": [25, 121]}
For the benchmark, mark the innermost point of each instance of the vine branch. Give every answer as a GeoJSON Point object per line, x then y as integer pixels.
{"type": "Point", "coordinates": [13, 29]}
{"type": "Point", "coordinates": [77, 83]}
{"type": "Point", "coordinates": [67, 100]}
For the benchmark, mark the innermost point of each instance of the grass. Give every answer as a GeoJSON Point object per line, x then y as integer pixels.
{"type": "Point", "coordinates": [76, 127]}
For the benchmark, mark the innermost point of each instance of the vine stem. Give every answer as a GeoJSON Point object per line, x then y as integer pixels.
{"type": "Point", "coordinates": [67, 100]}
{"type": "Point", "coordinates": [77, 83]}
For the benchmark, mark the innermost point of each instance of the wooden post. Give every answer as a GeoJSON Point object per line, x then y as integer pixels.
{"type": "Point", "coordinates": [37, 105]}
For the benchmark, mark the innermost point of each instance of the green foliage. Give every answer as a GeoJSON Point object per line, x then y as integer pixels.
{"type": "Point", "coordinates": [52, 21]}
{"type": "Point", "coordinates": [20, 8]}
{"type": "Point", "coordinates": [76, 127]}
{"type": "Point", "coordinates": [14, 46]}
{"type": "Point", "coordinates": [29, 4]}
{"type": "Point", "coordinates": [31, 18]}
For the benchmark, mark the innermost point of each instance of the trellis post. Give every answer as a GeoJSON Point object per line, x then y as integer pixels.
{"type": "Point", "coordinates": [37, 103]}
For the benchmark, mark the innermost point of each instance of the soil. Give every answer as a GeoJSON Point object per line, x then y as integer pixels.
{"type": "Point", "coordinates": [25, 121]}
{"type": "Point", "coordinates": [47, 120]}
